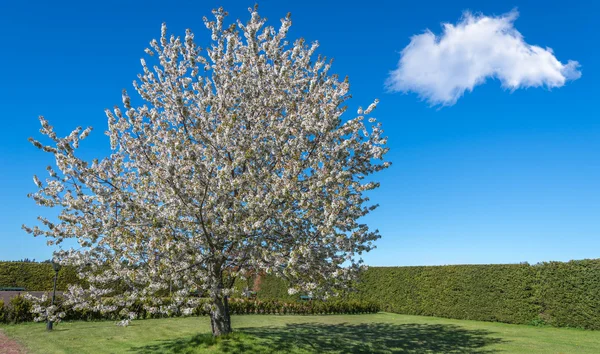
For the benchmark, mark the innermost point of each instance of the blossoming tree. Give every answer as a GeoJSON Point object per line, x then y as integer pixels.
{"type": "Point", "coordinates": [235, 161]}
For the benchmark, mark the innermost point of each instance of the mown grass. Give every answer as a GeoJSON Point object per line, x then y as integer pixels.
{"type": "Point", "coordinates": [376, 333]}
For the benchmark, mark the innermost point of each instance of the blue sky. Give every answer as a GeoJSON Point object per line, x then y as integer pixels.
{"type": "Point", "coordinates": [501, 176]}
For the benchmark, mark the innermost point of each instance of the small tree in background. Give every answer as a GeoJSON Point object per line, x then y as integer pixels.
{"type": "Point", "coordinates": [236, 162]}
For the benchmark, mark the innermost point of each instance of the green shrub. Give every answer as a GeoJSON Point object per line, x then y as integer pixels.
{"type": "Point", "coordinates": [3, 312]}
{"type": "Point", "coordinates": [538, 322]}
{"type": "Point", "coordinates": [19, 310]}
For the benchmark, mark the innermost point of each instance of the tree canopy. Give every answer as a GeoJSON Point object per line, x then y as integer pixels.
{"type": "Point", "coordinates": [234, 159]}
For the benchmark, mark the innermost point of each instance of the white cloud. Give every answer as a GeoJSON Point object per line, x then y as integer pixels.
{"type": "Point", "coordinates": [441, 68]}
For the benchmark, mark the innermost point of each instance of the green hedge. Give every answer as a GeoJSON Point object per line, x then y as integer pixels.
{"type": "Point", "coordinates": [569, 293]}
{"type": "Point", "coordinates": [270, 287]}
{"type": "Point", "coordinates": [35, 276]}
{"type": "Point", "coordinates": [277, 307]}
{"type": "Point", "coordinates": [19, 309]}
{"type": "Point", "coordinates": [502, 293]}
{"type": "Point", "coordinates": [554, 293]}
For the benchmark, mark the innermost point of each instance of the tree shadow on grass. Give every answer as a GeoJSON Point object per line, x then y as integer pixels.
{"type": "Point", "coordinates": [339, 338]}
{"type": "Point", "coordinates": [179, 345]}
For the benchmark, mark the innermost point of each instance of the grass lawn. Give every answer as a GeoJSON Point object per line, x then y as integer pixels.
{"type": "Point", "coordinates": [377, 333]}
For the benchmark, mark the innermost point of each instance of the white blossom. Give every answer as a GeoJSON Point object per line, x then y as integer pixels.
{"type": "Point", "coordinates": [235, 159]}
{"type": "Point", "coordinates": [43, 310]}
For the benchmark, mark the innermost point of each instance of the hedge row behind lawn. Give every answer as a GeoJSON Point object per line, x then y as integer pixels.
{"type": "Point", "coordinates": [498, 293]}
{"type": "Point", "coordinates": [18, 309]}
{"type": "Point", "coordinates": [555, 293]}
{"type": "Point", "coordinates": [34, 276]}
{"type": "Point", "coordinates": [569, 293]}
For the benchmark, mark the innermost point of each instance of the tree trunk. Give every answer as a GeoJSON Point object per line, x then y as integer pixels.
{"type": "Point", "coordinates": [220, 320]}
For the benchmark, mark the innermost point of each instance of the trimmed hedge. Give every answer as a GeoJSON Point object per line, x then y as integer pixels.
{"type": "Point", "coordinates": [555, 293]}
{"type": "Point", "coordinates": [276, 307]}
{"type": "Point", "coordinates": [499, 293]}
{"type": "Point", "coordinates": [19, 309]}
{"type": "Point", "coordinates": [569, 293]}
{"type": "Point", "coordinates": [35, 276]}
{"type": "Point", "coordinates": [270, 287]}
